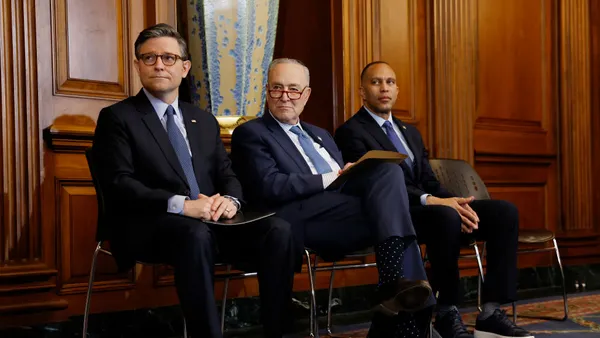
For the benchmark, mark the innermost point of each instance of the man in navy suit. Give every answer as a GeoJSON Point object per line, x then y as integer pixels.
{"type": "Point", "coordinates": [287, 165]}
{"type": "Point", "coordinates": [165, 170]}
{"type": "Point", "coordinates": [441, 220]}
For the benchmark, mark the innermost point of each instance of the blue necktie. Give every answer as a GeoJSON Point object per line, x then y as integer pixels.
{"type": "Point", "coordinates": [391, 134]}
{"type": "Point", "coordinates": [182, 151]}
{"type": "Point", "coordinates": [307, 145]}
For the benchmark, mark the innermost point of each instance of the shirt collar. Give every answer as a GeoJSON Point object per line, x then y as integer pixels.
{"type": "Point", "coordinates": [160, 107]}
{"type": "Point", "coordinates": [380, 120]}
{"type": "Point", "coordinates": [286, 127]}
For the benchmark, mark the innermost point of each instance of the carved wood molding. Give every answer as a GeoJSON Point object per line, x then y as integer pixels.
{"type": "Point", "coordinates": [64, 82]}
{"type": "Point", "coordinates": [70, 133]}
{"type": "Point", "coordinates": [454, 66]}
{"type": "Point", "coordinates": [575, 116]}
{"type": "Point", "coordinates": [20, 231]}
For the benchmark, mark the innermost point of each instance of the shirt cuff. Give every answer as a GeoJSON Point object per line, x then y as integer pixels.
{"type": "Point", "coordinates": [424, 199]}
{"type": "Point", "coordinates": [235, 201]}
{"type": "Point", "coordinates": [175, 205]}
{"type": "Point", "coordinates": [328, 178]}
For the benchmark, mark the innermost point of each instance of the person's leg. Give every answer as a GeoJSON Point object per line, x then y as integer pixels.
{"type": "Point", "coordinates": [189, 246]}
{"type": "Point", "coordinates": [439, 227]}
{"type": "Point", "coordinates": [266, 247]}
{"type": "Point", "coordinates": [499, 228]}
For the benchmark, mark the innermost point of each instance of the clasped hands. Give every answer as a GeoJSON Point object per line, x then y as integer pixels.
{"type": "Point", "coordinates": [210, 208]}
{"type": "Point", "coordinates": [470, 220]}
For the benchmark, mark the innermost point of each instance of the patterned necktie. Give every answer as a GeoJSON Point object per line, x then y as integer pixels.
{"type": "Point", "coordinates": [182, 151]}
{"type": "Point", "coordinates": [307, 145]}
{"type": "Point", "coordinates": [391, 134]}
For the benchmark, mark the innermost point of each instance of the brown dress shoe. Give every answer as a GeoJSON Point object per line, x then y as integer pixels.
{"type": "Point", "coordinates": [404, 295]}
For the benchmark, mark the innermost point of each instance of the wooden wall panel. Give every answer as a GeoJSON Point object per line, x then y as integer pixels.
{"type": "Point", "coordinates": [304, 32]}
{"type": "Point", "coordinates": [594, 17]}
{"type": "Point", "coordinates": [452, 56]}
{"type": "Point", "coordinates": [91, 49]}
{"type": "Point", "coordinates": [515, 63]}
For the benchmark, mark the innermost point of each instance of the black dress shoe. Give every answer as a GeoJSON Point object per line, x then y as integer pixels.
{"type": "Point", "coordinates": [499, 326]}
{"type": "Point", "coordinates": [450, 325]}
{"type": "Point", "coordinates": [404, 295]}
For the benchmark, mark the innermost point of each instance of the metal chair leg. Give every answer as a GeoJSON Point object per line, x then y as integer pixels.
{"type": "Point", "coordinates": [184, 329]}
{"type": "Point", "coordinates": [331, 277]}
{"type": "Point", "coordinates": [562, 275]}
{"type": "Point", "coordinates": [224, 301]}
{"type": "Point", "coordinates": [514, 307]}
{"type": "Point", "coordinates": [481, 277]}
{"type": "Point", "coordinates": [313, 301]}
{"type": "Point", "coordinates": [88, 297]}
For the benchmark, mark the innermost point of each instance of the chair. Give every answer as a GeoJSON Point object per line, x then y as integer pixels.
{"type": "Point", "coordinates": [101, 237]}
{"type": "Point", "coordinates": [312, 270]}
{"type": "Point", "coordinates": [462, 180]}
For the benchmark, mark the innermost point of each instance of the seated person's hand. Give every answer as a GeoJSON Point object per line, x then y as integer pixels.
{"type": "Point", "coordinates": [348, 165]}
{"type": "Point", "coordinates": [468, 216]}
{"type": "Point", "coordinates": [199, 208]}
{"type": "Point", "coordinates": [222, 207]}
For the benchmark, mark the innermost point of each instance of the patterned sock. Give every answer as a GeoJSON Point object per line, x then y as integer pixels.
{"type": "Point", "coordinates": [406, 326]}
{"type": "Point", "coordinates": [487, 310]}
{"type": "Point", "coordinates": [389, 255]}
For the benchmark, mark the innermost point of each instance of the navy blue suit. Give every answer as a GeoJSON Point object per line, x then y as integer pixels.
{"type": "Point", "coordinates": [364, 212]}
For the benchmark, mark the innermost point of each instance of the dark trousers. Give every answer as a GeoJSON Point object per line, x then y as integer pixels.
{"type": "Point", "coordinates": [191, 247]}
{"type": "Point", "coordinates": [439, 227]}
{"type": "Point", "coordinates": [366, 211]}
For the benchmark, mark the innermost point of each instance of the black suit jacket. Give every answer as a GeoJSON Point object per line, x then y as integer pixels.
{"type": "Point", "coordinates": [361, 133]}
{"type": "Point", "coordinates": [139, 170]}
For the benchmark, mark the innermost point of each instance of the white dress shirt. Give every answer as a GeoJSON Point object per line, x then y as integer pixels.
{"type": "Point", "coordinates": [175, 203]}
{"type": "Point", "coordinates": [380, 121]}
{"type": "Point", "coordinates": [329, 177]}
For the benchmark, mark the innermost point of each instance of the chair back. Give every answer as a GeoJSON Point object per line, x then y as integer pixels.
{"type": "Point", "coordinates": [102, 230]}
{"type": "Point", "coordinates": [459, 178]}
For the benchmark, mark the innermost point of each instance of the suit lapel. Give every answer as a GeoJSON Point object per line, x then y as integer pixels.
{"type": "Point", "coordinates": [332, 152]}
{"type": "Point", "coordinates": [379, 135]}
{"type": "Point", "coordinates": [150, 119]}
{"type": "Point", "coordinates": [375, 130]}
{"type": "Point", "coordinates": [412, 144]}
{"type": "Point", "coordinates": [286, 143]}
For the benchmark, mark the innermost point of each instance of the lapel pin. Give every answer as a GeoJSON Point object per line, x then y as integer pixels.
{"type": "Point", "coordinates": [319, 137]}
{"type": "Point", "coordinates": [403, 127]}
{"type": "Point", "coordinates": [193, 121]}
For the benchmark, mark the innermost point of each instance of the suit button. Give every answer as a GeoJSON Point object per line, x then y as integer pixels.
{"type": "Point", "coordinates": [186, 192]}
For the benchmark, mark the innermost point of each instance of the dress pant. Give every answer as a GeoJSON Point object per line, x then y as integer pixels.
{"type": "Point", "coordinates": [193, 247]}
{"type": "Point", "coordinates": [439, 227]}
{"type": "Point", "coordinates": [363, 213]}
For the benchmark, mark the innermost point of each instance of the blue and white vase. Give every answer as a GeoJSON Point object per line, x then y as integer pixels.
{"type": "Point", "coordinates": [231, 45]}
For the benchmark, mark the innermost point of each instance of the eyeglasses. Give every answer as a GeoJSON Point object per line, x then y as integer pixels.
{"type": "Point", "coordinates": [149, 59]}
{"type": "Point", "coordinates": [292, 95]}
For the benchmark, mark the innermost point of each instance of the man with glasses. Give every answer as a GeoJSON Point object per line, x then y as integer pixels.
{"type": "Point", "coordinates": [288, 165]}
{"type": "Point", "coordinates": [165, 170]}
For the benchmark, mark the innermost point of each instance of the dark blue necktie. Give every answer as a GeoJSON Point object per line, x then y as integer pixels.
{"type": "Point", "coordinates": [182, 151]}
{"type": "Point", "coordinates": [391, 134]}
{"type": "Point", "coordinates": [309, 149]}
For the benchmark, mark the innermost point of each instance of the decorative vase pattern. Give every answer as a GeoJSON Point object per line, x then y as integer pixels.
{"type": "Point", "coordinates": [231, 45]}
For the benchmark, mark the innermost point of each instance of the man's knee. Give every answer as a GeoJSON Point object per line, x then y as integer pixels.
{"type": "Point", "coordinates": [390, 172]}
{"type": "Point", "coordinates": [279, 229]}
{"type": "Point", "coordinates": [446, 220]}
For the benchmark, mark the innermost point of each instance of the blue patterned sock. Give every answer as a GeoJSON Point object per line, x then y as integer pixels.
{"type": "Point", "coordinates": [389, 255]}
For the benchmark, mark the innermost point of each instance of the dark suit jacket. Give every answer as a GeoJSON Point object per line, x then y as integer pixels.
{"type": "Point", "coordinates": [272, 170]}
{"type": "Point", "coordinates": [139, 169]}
{"type": "Point", "coordinates": [361, 133]}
